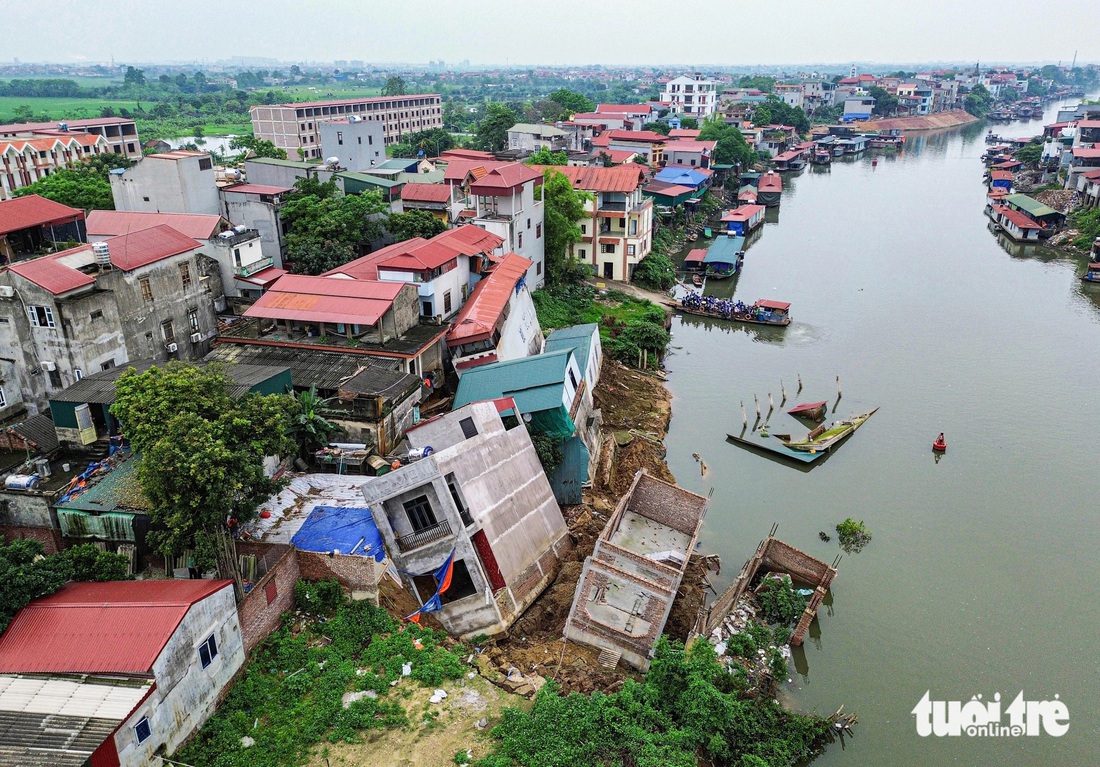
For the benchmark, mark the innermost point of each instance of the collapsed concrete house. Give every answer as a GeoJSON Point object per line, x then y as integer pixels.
{"type": "Point", "coordinates": [628, 585]}
{"type": "Point", "coordinates": [482, 494]}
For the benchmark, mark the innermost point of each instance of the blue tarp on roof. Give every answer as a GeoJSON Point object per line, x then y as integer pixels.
{"type": "Point", "coordinates": [681, 177]}
{"type": "Point", "coordinates": [342, 529]}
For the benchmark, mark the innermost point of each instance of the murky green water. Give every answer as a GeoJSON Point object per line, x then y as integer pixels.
{"type": "Point", "coordinates": [983, 573]}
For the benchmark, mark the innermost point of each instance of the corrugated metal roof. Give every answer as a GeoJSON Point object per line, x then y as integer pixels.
{"type": "Point", "coordinates": [100, 628]}
{"type": "Point", "coordinates": [1030, 205]}
{"type": "Point", "coordinates": [71, 697]}
{"type": "Point", "coordinates": [680, 176]}
{"type": "Point", "coordinates": [619, 178]}
{"type": "Point", "coordinates": [505, 178]}
{"type": "Point", "coordinates": [326, 299]}
{"type": "Point", "coordinates": [420, 254]}
{"type": "Point", "coordinates": [99, 388]}
{"type": "Point", "coordinates": [33, 210]}
{"type": "Point", "coordinates": [744, 213]}
{"type": "Point", "coordinates": [50, 274]}
{"type": "Point", "coordinates": [131, 251]}
{"type": "Point", "coordinates": [577, 338]}
{"type": "Point", "coordinates": [110, 223]}
{"type": "Point", "coordinates": [724, 250]}
{"type": "Point", "coordinates": [258, 189]}
{"type": "Point", "coordinates": [328, 370]}
{"type": "Point", "coordinates": [535, 383]}
{"type": "Point", "coordinates": [485, 306]}
{"type": "Point", "coordinates": [414, 192]}
{"type": "Point", "coordinates": [771, 182]}
{"type": "Point", "coordinates": [38, 430]}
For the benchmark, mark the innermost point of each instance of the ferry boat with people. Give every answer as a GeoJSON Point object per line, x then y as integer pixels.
{"type": "Point", "coordinates": [763, 312]}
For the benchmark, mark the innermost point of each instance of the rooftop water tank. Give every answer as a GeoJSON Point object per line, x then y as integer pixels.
{"type": "Point", "coordinates": [21, 481]}
{"type": "Point", "coordinates": [42, 467]}
{"type": "Point", "coordinates": [102, 253]}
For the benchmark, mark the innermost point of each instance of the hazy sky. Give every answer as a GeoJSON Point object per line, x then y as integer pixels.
{"type": "Point", "coordinates": [554, 32]}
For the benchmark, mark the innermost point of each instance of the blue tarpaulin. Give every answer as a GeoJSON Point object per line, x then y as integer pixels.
{"type": "Point", "coordinates": [341, 529]}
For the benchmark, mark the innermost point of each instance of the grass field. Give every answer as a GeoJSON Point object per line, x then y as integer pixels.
{"type": "Point", "coordinates": [330, 91]}
{"type": "Point", "coordinates": [57, 108]}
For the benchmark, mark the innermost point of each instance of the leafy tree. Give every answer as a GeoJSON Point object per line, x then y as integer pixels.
{"type": "Point", "coordinates": [414, 223]}
{"type": "Point", "coordinates": [979, 101]}
{"type": "Point", "coordinates": [757, 82]}
{"type": "Point", "coordinates": [326, 230]}
{"type": "Point", "coordinates": [563, 210]}
{"type": "Point", "coordinates": [89, 563]}
{"type": "Point", "coordinates": [134, 77]}
{"type": "Point", "coordinates": [655, 272]}
{"type": "Point", "coordinates": [545, 157]}
{"type": "Point", "coordinates": [492, 130]}
{"type": "Point", "coordinates": [657, 127]}
{"type": "Point", "coordinates": [1030, 154]}
{"type": "Point", "coordinates": [311, 427]}
{"type": "Point", "coordinates": [885, 102]}
{"type": "Point", "coordinates": [780, 602]}
{"type": "Point", "coordinates": [776, 111]}
{"type": "Point", "coordinates": [309, 256]}
{"type": "Point", "coordinates": [689, 123]}
{"type": "Point", "coordinates": [731, 147]}
{"type": "Point", "coordinates": [395, 86]}
{"type": "Point", "coordinates": [258, 147]}
{"type": "Point", "coordinates": [571, 102]}
{"type": "Point", "coordinates": [403, 149]}
{"type": "Point", "coordinates": [1036, 88]}
{"type": "Point", "coordinates": [80, 186]}
{"type": "Point", "coordinates": [202, 453]}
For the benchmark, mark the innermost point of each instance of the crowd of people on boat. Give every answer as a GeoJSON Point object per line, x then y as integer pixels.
{"type": "Point", "coordinates": [724, 307]}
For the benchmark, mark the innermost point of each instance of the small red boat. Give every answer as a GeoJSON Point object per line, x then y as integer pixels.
{"type": "Point", "coordinates": [940, 444]}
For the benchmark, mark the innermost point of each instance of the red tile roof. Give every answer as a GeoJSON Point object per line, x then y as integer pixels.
{"type": "Point", "coordinates": [686, 145]}
{"type": "Point", "coordinates": [504, 179]}
{"type": "Point", "coordinates": [1016, 217]}
{"type": "Point", "coordinates": [622, 108]}
{"type": "Point", "coordinates": [620, 178]}
{"type": "Point", "coordinates": [33, 210]}
{"type": "Point", "coordinates": [419, 254]}
{"type": "Point", "coordinates": [640, 136]}
{"type": "Point", "coordinates": [66, 140]}
{"type": "Point", "coordinates": [689, 133]}
{"type": "Point", "coordinates": [486, 304]}
{"type": "Point", "coordinates": [118, 627]}
{"type": "Point", "coordinates": [769, 304]}
{"type": "Point", "coordinates": [1001, 175]}
{"type": "Point", "coordinates": [771, 182]}
{"type": "Point", "coordinates": [50, 274]}
{"type": "Point", "coordinates": [744, 213]}
{"type": "Point", "coordinates": [696, 255]}
{"type": "Point", "coordinates": [109, 223]}
{"type": "Point", "coordinates": [258, 189]}
{"type": "Point", "coordinates": [141, 248]}
{"type": "Point", "coordinates": [458, 169]}
{"type": "Point", "coordinates": [326, 299]}
{"type": "Point", "coordinates": [671, 190]}
{"type": "Point", "coordinates": [619, 156]}
{"type": "Point", "coordinates": [1091, 153]}
{"type": "Point", "coordinates": [601, 141]}
{"type": "Point", "coordinates": [414, 192]}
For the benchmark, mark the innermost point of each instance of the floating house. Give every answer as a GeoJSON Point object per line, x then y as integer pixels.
{"type": "Point", "coordinates": [1014, 223]}
{"type": "Point", "coordinates": [694, 260]}
{"type": "Point", "coordinates": [770, 188]}
{"type": "Point", "coordinates": [1045, 216]}
{"type": "Point", "coordinates": [725, 257]}
{"type": "Point", "coordinates": [1001, 179]}
{"type": "Point", "coordinates": [743, 220]}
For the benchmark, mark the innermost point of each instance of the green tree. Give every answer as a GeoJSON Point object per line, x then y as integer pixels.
{"type": "Point", "coordinates": [312, 426]}
{"type": "Point", "coordinates": [257, 146]}
{"type": "Point", "coordinates": [979, 101]}
{"type": "Point", "coordinates": [731, 147]}
{"type": "Point", "coordinates": [80, 186]}
{"type": "Point", "coordinates": [324, 230]}
{"type": "Point", "coordinates": [657, 127]}
{"type": "Point", "coordinates": [134, 77]}
{"type": "Point", "coordinates": [492, 130]}
{"type": "Point", "coordinates": [776, 111]}
{"type": "Point", "coordinates": [202, 454]}
{"type": "Point", "coordinates": [689, 123]}
{"type": "Point", "coordinates": [414, 223]}
{"type": "Point", "coordinates": [571, 102]}
{"type": "Point", "coordinates": [757, 82]}
{"type": "Point", "coordinates": [1030, 154]}
{"type": "Point", "coordinates": [885, 102]}
{"type": "Point", "coordinates": [544, 156]}
{"type": "Point", "coordinates": [563, 209]}
{"type": "Point", "coordinates": [395, 86]}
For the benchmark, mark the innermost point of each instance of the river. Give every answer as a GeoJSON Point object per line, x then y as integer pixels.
{"type": "Point", "coordinates": [983, 566]}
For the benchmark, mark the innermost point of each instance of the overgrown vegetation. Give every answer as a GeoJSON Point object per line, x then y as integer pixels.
{"type": "Point", "coordinates": [83, 185]}
{"type": "Point", "coordinates": [1087, 222]}
{"type": "Point", "coordinates": [657, 271]}
{"type": "Point", "coordinates": [780, 602]}
{"type": "Point", "coordinates": [688, 708]}
{"type": "Point", "coordinates": [28, 574]}
{"type": "Point", "coordinates": [327, 229]}
{"type": "Point", "coordinates": [852, 535]}
{"type": "Point", "coordinates": [549, 450]}
{"type": "Point", "coordinates": [290, 697]}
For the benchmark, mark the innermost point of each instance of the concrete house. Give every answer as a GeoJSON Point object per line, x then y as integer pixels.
{"type": "Point", "coordinates": [120, 132]}
{"type": "Point", "coordinates": [509, 203]}
{"type": "Point", "coordinates": [617, 231]}
{"type": "Point", "coordinates": [481, 493]}
{"type": "Point", "coordinates": [499, 321]}
{"type": "Point", "coordinates": [694, 95]}
{"type": "Point", "coordinates": [236, 249]}
{"type": "Point", "coordinates": [530, 137]}
{"type": "Point", "coordinates": [629, 583]}
{"type": "Point", "coordinates": [553, 396]}
{"type": "Point", "coordinates": [29, 224]}
{"type": "Point", "coordinates": [357, 144]}
{"type": "Point", "coordinates": [442, 268]}
{"type": "Point", "coordinates": [257, 206]}
{"type": "Point", "coordinates": [146, 295]}
{"type": "Point", "coordinates": [180, 181]}
{"type": "Point", "coordinates": [110, 673]}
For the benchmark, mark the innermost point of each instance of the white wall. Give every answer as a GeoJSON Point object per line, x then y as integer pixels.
{"type": "Point", "coordinates": [157, 185]}
{"type": "Point", "coordinates": [433, 290]}
{"type": "Point", "coordinates": [521, 335]}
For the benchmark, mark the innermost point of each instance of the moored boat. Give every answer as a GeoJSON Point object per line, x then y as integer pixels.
{"type": "Point", "coordinates": [823, 439]}
{"type": "Point", "coordinates": [812, 411]}
{"type": "Point", "coordinates": [939, 445]}
{"type": "Point", "coordinates": [761, 313]}
{"type": "Point", "coordinates": [697, 280]}
{"type": "Point", "coordinates": [1092, 273]}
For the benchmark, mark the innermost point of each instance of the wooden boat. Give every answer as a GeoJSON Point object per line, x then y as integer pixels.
{"type": "Point", "coordinates": [823, 439]}
{"type": "Point", "coordinates": [1092, 273]}
{"type": "Point", "coordinates": [756, 315]}
{"type": "Point", "coordinates": [697, 280]}
{"type": "Point", "coordinates": [811, 411]}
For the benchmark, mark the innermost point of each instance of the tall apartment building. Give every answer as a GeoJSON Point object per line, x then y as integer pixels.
{"type": "Point", "coordinates": [694, 95]}
{"type": "Point", "coordinates": [297, 126]}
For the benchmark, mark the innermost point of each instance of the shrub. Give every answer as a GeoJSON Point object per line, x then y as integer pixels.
{"type": "Point", "coordinates": [852, 535]}
{"type": "Point", "coordinates": [780, 602]}
{"type": "Point", "coordinates": [318, 598]}
{"type": "Point", "coordinates": [656, 272]}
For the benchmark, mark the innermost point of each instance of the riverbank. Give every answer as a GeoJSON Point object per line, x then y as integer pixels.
{"type": "Point", "coordinates": [951, 119]}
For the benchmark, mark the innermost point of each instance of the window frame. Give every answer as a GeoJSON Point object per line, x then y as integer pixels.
{"type": "Point", "coordinates": [417, 511]}
{"type": "Point", "coordinates": [47, 319]}
{"type": "Point", "coordinates": [185, 274]}
{"type": "Point", "coordinates": [148, 729]}
{"type": "Point", "coordinates": [210, 645]}
{"type": "Point", "coordinates": [146, 288]}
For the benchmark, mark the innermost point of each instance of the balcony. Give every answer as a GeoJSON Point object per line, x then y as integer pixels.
{"type": "Point", "coordinates": [412, 541]}
{"type": "Point", "coordinates": [256, 266]}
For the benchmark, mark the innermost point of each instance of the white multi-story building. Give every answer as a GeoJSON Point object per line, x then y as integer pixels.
{"type": "Point", "coordinates": [692, 95]}
{"type": "Point", "coordinates": [23, 161]}
{"type": "Point", "coordinates": [508, 204]}
{"type": "Point", "coordinates": [180, 181]}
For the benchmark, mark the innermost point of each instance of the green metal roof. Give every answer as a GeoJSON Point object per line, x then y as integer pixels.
{"type": "Point", "coordinates": [284, 163]}
{"type": "Point", "coordinates": [369, 180]}
{"type": "Point", "coordinates": [1030, 205]}
{"type": "Point", "coordinates": [431, 177]}
{"type": "Point", "coordinates": [535, 383]}
{"type": "Point", "coordinates": [397, 163]}
{"type": "Point", "coordinates": [576, 338]}
{"type": "Point", "coordinates": [724, 250]}
{"type": "Point", "coordinates": [119, 490]}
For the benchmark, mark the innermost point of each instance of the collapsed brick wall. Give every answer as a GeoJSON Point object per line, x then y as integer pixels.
{"type": "Point", "coordinates": [667, 504]}
{"type": "Point", "coordinates": [262, 608]}
{"type": "Point", "coordinates": [358, 575]}
{"type": "Point", "coordinates": [798, 564]}
{"type": "Point", "coordinates": [50, 538]}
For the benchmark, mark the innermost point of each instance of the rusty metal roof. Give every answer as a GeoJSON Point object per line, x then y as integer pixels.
{"type": "Point", "coordinates": [486, 304]}
{"type": "Point", "coordinates": [326, 299]}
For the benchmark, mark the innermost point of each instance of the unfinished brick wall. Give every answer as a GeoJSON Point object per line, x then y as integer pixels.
{"type": "Point", "coordinates": [798, 564]}
{"type": "Point", "coordinates": [50, 538]}
{"type": "Point", "coordinates": [261, 609]}
{"type": "Point", "coordinates": [670, 505]}
{"type": "Point", "coordinates": [359, 575]}
{"type": "Point", "coordinates": [663, 575]}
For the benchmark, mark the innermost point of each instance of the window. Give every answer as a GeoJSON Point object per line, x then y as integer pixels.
{"type": "Point", "coordinates": [630, 250]}
{"type": "Point", "coordinates": [208, 650]}
{"type": "Point", "coordinates": [538, 231]}
{"type": "Point", "coordinates": [41, 316]}
{"type": "Point", "coordinates": [271, 591]}
{"type": "Point", "coordinates": [193, 320]}
{"type": "Point", "coordinates": [340, 137]}
{"type": "Point", "coordinates": [185, 274]}
{"type": "Point", "coordinates": [370, 140]}
{"type": "Point", "coordinates": [528, 223]}
{"type": "Point", "coordinates": [145, 199]}
{"type": "Point", "coordinates": [538, 268]}
{"type": "Point", "coordinates": [607, 248]}
{"type": "Point", "coordinates": [469, 428]}
{"type": "Point", "coordinates": [205, 163]}
{"type": "Point", "coordinates": [420, 514]}
{"type": "Point", "coordinates": [107, 365]}
{"type": "Point", "coordinates": [447, 302]}
{"type": "Point", "coordinates": [582, 254]}
{"type": "Point", "coordinates": [519, 240]}
{"type": "Point", "coordinates": [142, 730]}
{"type": "Point", "coordinates": [168, 331]}
{"type": "Point", "coordinates": [584, 228]}
{"type": "Point", "coordinates": [76, 372]}
{"type": "Point", "coordinates": [572, 379]}
{"type": "Point", "coordinates": [55, 379]}
{"type": "Point", "coordinates": [462, 585]}
{"type": "Point", "coordinates": [3, 398]}
{"type": "Point", "coordinates": [146, 290]}
{"type": "Point", "coordinates": [465, 290]}
{"type": "Point", "coordinates": [96, 315]}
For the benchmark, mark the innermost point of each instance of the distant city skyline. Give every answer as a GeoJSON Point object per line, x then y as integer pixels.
{"type": "Point", "coordinates": [706, 34]}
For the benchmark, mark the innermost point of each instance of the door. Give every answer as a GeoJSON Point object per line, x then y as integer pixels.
{"type": "Point", "coordinates": [609, 270]}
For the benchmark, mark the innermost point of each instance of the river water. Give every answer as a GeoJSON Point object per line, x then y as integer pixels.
{"type": "Point", "coordinates": [983, 572]}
